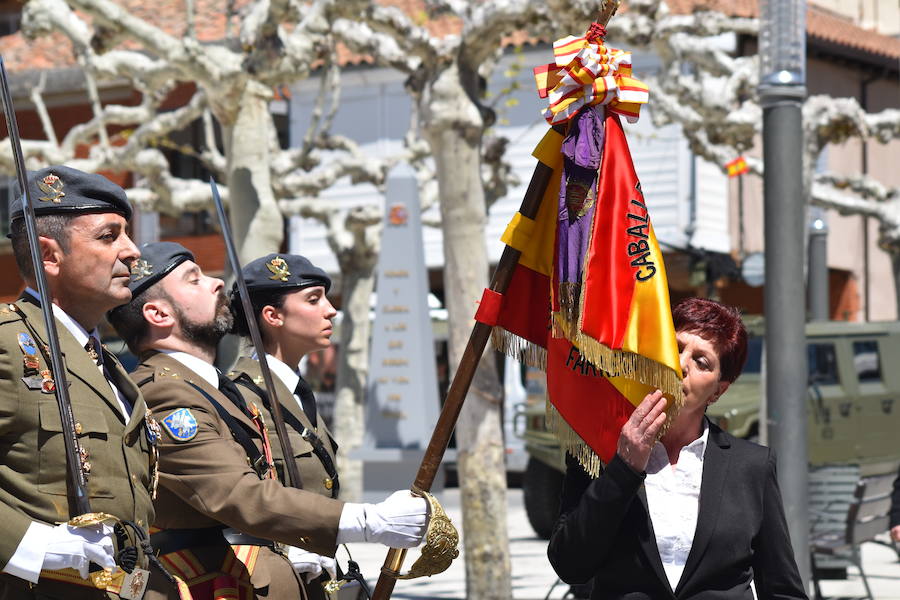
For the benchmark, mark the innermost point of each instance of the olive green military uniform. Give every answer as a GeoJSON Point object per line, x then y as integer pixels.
{"type": "Point", "coordinates": [33, 469]}
{"type": "Point", "coordinates": [206, 482]}
{"type": "Point", "coordinates": [317, 475]}
{"type": "Point", "coordinates": [314, 472]}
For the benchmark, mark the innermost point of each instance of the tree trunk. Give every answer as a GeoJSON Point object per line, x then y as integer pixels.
{"type": "Point", "coordinates": [256, 221]}
{"type": "Point", "coordinates": [454, 130]}
{"type": "Point", "coordinates": [357, 282]}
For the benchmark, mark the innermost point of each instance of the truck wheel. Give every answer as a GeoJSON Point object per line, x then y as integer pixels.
{"type": "Point", "coordinates": [541, 486]}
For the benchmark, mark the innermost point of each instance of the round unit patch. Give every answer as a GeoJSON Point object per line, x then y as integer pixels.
{"type": "Point", "coordinates": [181, 425]}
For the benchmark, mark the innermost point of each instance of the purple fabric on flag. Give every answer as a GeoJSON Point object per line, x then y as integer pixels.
{"type": "Point", "coordinates": [582, 151]}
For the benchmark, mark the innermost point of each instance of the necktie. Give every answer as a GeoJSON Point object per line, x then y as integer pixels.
{"type": "Point", "coordinates": [95, 351]}
{"type": "Point", "coordinates": [230, 391]}
{"type": "Point", "coordinates": [307, 400]}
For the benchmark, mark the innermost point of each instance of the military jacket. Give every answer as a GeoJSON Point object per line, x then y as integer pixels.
{"type": "Point", "coordinates": [33, 470]}
{"type": "Point", "coordinates": [205, 477]}
{"type": "Point", "coordinates": [316, 472]}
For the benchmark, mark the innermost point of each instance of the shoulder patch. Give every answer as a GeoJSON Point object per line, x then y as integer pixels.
{"type": "Point", "coordinates": [181, 425]}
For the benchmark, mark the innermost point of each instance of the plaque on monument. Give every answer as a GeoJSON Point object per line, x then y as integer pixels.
{"type": "Point", "coordinates": [401, 397]}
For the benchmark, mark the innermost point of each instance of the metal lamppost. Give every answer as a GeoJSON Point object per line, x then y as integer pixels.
{"type": "Point", "coordinates": [782, 88]}
{"type": "Point", "coordinates": [817, 286]}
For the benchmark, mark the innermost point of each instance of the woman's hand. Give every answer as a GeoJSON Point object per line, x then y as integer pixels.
{"type": "Point", "coordinates": [640, 431]}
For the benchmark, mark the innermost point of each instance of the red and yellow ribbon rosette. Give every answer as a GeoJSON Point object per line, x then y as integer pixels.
{"type": "Point", "coordinates": [587, 72]}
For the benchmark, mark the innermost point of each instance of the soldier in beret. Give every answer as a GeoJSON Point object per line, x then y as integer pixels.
{"type": "Point", "coordinates": [81, 220]}
{"type": "Point", "coordinates": [288, 295]}
{"type": "Point", "coordinates": [223, 514]}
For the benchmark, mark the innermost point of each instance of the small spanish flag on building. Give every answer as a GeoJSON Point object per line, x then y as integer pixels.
{"type": "Point", "coordinates": [737, 167]}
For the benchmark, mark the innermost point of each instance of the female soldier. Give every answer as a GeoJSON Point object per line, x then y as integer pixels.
{"type": "Point", "coordinates": [287, 293]}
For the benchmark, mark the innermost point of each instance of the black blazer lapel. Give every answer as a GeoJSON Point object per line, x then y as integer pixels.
{"type": "Point", "coordinates": [712, 486]}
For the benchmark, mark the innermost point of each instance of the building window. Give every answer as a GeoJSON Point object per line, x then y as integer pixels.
{"type": "Point", "coordinates": [822, 363]}
{"type": "Point", "coordinates": [866, 361]}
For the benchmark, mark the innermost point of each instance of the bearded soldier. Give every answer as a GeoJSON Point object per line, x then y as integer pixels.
{"type": "Point", "coordinates": [223, 514]}
{"type": "Point", "coordinates": [80, 221]}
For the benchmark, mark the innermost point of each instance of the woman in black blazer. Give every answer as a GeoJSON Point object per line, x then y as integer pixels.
{"type": "Point", "coordinates": [696, 516]}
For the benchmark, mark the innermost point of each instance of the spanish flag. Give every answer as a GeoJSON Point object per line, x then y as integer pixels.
{"type": "Point", "coordinates": [588, 300]}
{"type": "Point", "coordinates": [596, 318]}
{"type": "Point", "coordinates": [737, 167]}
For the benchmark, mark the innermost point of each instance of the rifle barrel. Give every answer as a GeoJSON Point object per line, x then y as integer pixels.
{"type": "Point", "coordinates": [289, 464]}
{"type": "Point", "coordinates": [74, 468]}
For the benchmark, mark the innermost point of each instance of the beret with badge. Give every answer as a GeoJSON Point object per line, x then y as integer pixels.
{"type": "Point", "coordinates": [282, 272]}
{"type": "Point", "coordinates": [157, 260]}
{"type": "Point", "coordinates": [61, 190]}
{"type": "Point", "coordinates": [272, 274]}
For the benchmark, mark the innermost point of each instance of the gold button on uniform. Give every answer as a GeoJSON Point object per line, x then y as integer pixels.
{"type": "Point", "coordinates": [78, 428]}
{"type": "Point", "coordinates": [328, 483]}
{"type": "Point", "coordinates": [303, 540]}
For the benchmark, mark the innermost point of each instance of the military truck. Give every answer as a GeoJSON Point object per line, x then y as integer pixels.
{"type": "Point", "coordinates": [853, 404]}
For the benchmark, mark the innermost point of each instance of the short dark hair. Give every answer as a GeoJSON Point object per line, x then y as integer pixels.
{"type": "Point", "coordinates": [54, 226]}
{"type": "Point", "coordinates": [720, 324]}
{"type": "Point", "coordinates": [258, 300]}
{"type": "Point", "coordinates": [128, 319]}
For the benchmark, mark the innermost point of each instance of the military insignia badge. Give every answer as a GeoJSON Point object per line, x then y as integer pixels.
{"type": "Point", "coordinates": [279, 269]}
{"type": "Point", "coordinates": [153, 430]}
{"type": "Point", "coordinates": [52, 186]}
{"type": "Point", "coordinates": [140, 269]}
{"type": "Point", "coordinates": [181, 425]}
{"type": "Point", "coordinates": [29, 355]}
{"type": "Point", "coordinates": [48, 386]}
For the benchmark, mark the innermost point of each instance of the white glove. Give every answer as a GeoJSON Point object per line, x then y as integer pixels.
{"type": "Point", "coordinates": [77, 547]}
{"type": "Point", "coordinates": [311, 563]}
{"type": "Point", "coordinates": [398, 522]}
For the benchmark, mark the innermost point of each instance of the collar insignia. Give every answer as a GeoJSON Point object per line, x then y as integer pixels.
{"type": "Point", "coordinates": [140, 269]}
{"type": "Point", "coordinates": [52, 186]}
{"type": "Point", "coordinates": [181, 425]}
{"type": "Point", "coordinates": [279, 268]}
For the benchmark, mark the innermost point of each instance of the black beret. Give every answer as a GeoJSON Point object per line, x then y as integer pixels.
{"type": "Point", "coordinates": [283, 271]}
{"type": "Point", "coordinates": [60, 190]}
{"type": "Point", "coordinates": [157, 260]}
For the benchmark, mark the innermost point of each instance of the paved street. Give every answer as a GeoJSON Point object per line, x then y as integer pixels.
{"type": "Point", "coordinates": [533, 576]}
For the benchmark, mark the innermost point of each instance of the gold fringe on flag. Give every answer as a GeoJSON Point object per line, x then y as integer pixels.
{"type": "Point", "coordinates": [572, 442]}
{"type": "Point", "coordinates": [617, 363]}
{"type": "Point", "coordinates": [520, 349]}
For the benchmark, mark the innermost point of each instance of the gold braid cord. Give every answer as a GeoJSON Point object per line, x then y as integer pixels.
{"type": "Point", "coordinates": [441, 543]}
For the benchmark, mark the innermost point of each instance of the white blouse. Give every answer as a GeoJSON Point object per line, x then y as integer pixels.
{"type": "Point", "coordinates": [673, 497]}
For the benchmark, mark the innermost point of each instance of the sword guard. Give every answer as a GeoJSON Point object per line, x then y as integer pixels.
{"type": "Point", "coordinates": [91, 519]}
{"type": "Point", "coordinates": [441, 543]}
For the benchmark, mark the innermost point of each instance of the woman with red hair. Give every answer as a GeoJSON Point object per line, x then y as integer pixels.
{"type": "Point", "coordinates": [695, 514]}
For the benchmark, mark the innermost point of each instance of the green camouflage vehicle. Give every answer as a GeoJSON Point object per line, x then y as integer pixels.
{"type": "Point", "coordinates": [853, 406]}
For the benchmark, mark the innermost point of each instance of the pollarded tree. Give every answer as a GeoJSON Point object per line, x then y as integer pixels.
{"type": "Point", "coordinates": [230, 66]}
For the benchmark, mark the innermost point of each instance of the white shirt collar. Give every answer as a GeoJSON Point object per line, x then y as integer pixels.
{"type": "Point", "coordinates": [208, 372]}
{"type": "Point", "coordinates": [74, 327]}
{"type": "Point", "coordinates": [286, 374]}
{"type": "Point", "coordinates": [660, 459]}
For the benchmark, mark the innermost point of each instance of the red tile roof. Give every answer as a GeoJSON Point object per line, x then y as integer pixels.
{"type": "Point", "coordinates": [821, 24]}
{"type": "Point", "coordinates": [55, 51]}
